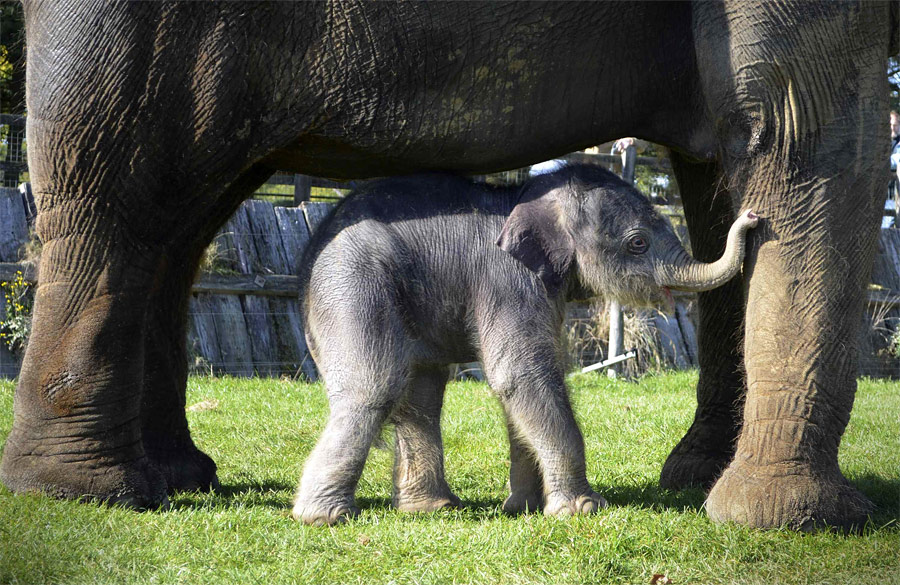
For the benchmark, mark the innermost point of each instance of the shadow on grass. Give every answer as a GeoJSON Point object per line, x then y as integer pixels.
{"type": "Point", "coordinates": [483, 508]}
{"type": "Point", "coordinates": [270, 494]}
{"type": "Point", "coordinates": [276, 494]}
{"type": "Point", "coordinates": [650, 496]}
{"type": "Point", "coordinates": [884, 493]}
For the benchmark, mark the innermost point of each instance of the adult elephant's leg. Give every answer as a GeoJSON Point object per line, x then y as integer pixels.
{"type": "Point", "coordinates": [798, 109]}
{"type": "Point", "coordinates": [76, 429]}
{"type": "Point", "coordinates": [167, 440]}
{"type": "Point", "coordinates": [701, 455]}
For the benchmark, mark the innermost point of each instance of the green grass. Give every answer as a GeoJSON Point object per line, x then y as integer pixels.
{"type": "Point", "coordinates": [261, 431]}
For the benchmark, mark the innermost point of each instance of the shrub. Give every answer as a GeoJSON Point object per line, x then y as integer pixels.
{"type": "Point", "coordinates": [16, 325]}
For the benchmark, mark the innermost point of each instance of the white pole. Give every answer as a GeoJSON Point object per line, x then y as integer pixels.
{"type": "Point", "coordinates": [616, 337]}
{"type": "Point", "coordinates": [616, 360]}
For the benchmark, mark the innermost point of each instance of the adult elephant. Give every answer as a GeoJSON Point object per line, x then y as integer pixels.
{"type": "Point", "coordinates": [150, 122]}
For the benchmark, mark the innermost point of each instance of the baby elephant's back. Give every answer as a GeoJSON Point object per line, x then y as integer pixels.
{"type": "Point", "coordinates": [421, 243]}
{"type": "Point", "coordinates": [433, 223]}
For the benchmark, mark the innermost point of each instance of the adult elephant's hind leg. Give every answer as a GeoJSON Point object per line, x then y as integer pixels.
{"type": "Point", "coordinates": [701, 455]}
{"type": "Point", "coordinates": [77, 429]}
{"type": "Point", "coordinates": [166, 437]}
{"type": "Point", "coordinates": [167, 440]}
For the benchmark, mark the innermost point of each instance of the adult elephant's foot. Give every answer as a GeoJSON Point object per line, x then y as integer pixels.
{"type": "Point", "coordinates": [686, 469]}
{"type": "Point", "coordinates": [782, 495]}
{"type": "Point", "coordinates": [62, 470]}
{"type": "Point", "coordinates": [698, 459]}
{"type": "Point", "coordinates": [324, 512]}
{"type": "Point", "coordinates": [567, 505]}
{"type": "Point", "coordinates": [523, 502]}
{"type": "Point", "coordinates": [184, 467]}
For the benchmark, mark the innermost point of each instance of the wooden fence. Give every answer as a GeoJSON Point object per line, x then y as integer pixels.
{"type": "Point", "coordinates": [244, 316]}
{"type": "Point", "coordinates": [12, 145]}
{"type": "Point", "coordinates": [250, 323]}
{"type": "Point", "coordinates": [14, 233]}
{"type": "Point", "coordinates": [245, 319]}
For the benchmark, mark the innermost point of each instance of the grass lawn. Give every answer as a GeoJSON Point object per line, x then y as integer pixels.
{"type": "Point", "coordinates": [260, 431]}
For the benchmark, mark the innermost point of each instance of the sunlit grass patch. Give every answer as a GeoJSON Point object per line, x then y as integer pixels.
{"type": "Point", "coordinates": [260, 431]}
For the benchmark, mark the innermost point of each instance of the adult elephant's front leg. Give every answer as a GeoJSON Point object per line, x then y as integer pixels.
{"type": "Point", "coordinates": [801, 367]}
{"type": "Point", "coordinates": [77, 426]}
{"type": "Point", "coordinates": [803, 98]}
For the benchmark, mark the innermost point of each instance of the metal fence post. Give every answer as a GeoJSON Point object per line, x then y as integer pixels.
{"type": "Point", "coordinates": [629, 157]}
{"type": "Point", "coordinates": [616, 319]}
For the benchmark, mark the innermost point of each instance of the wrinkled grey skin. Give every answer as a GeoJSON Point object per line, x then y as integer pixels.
{"type": "Point", "coordinates": [149, 123]}
{"type": "Point", "coordinates": [415, 273]}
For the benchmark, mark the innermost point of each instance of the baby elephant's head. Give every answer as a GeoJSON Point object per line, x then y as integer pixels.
{"type": "Point", "coordinates": [585, 223]}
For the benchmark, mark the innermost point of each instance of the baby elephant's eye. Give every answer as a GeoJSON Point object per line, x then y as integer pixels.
{"type": "Point", "coordinates": [638, 244]}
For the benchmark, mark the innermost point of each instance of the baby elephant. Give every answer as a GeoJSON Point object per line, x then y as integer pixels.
{"type": "Point", "coordinates": [411, 274]}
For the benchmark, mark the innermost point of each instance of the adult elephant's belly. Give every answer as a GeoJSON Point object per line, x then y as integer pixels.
{"type": "Point", "coordinates": [358, 157]}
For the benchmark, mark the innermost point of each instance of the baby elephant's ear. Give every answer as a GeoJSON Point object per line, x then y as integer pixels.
{"type": "Point", "coordinates": [533, 234]}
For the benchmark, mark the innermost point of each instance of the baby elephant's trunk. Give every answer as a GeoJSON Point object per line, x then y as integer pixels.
{"type": "Point", "coordinates": [684, 273]}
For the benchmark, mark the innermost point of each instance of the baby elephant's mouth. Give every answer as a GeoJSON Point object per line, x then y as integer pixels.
{"type": "Point", "coordinates": [643, 294]}
{"type": "Point", "coordinates": [669, 304]}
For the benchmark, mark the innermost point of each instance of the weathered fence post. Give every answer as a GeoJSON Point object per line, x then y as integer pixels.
{"type": "Point", "coordinates": [302, 188]}
{"type": "Point", "coordinates": [629, 157]}
{"type": "Point", "coordinates": [13, 234]}
{"type": "Point", "coordinates": [616, 336]}
{"type": "Point", "coordinates": [616, 319]}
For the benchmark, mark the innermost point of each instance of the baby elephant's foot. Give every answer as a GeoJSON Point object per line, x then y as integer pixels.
{"type": "Point", "coordinates": [427, 504]}
{"type": "Point", "coordinates": [564, 505]}
{"type": "Point", "coordinates": [523, 502]}
{"type": "Point", "coordinates": [324, 513]}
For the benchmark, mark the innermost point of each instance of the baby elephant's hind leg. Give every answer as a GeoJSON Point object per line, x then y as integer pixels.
{"type": "Point", "coordinates": [361, 398]}
{"type": "Point", "coordinates": [330, 476]}
{"type": "Point", "coordinates": [526, 485]}
{"type": "Point", "coordinates": [419, 482]}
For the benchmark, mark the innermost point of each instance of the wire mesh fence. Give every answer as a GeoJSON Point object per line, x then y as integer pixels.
{"type": "Point", "coordinates": [13, 151]}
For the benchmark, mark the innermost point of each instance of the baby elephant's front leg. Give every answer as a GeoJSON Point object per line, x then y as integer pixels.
{"type": "Point", "coordinates": [542, 417]}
